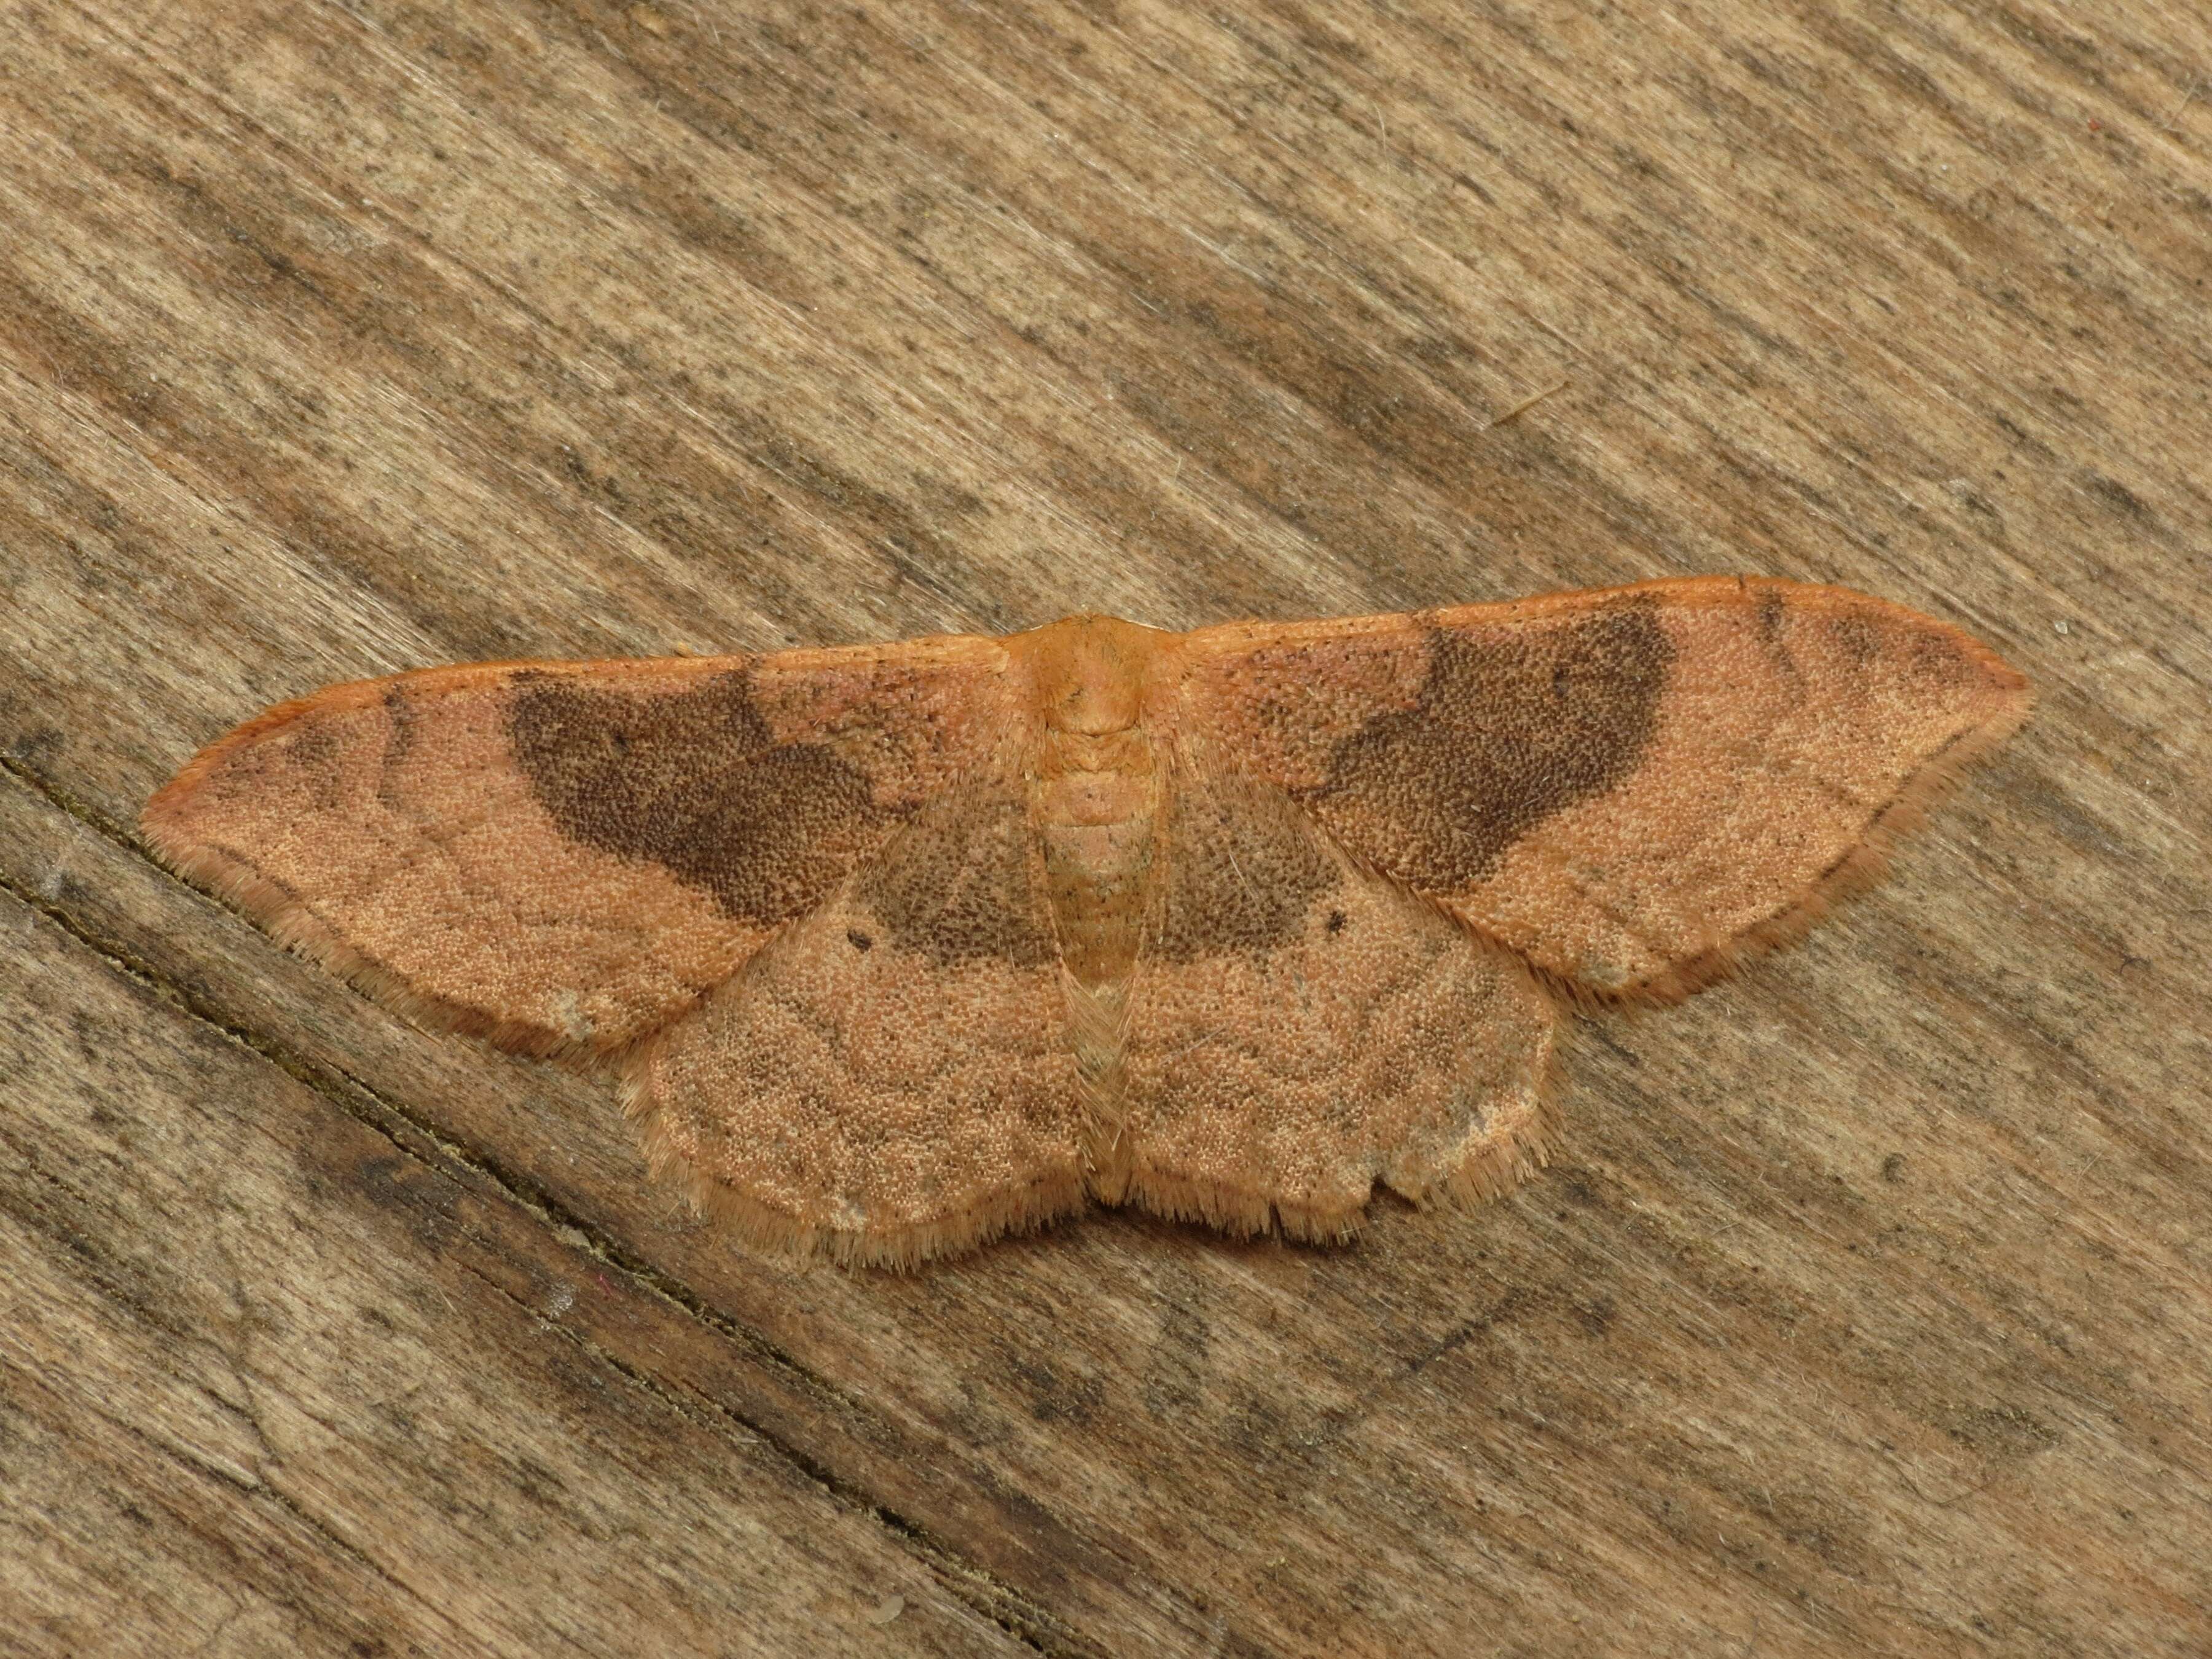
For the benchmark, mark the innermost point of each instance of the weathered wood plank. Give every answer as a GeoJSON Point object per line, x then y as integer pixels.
{"type": "Point", "coordinates": [242, 1335]}
{"type": "Point", "coordinates": [1868, 1310]}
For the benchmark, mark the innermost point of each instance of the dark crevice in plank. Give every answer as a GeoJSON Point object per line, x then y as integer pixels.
{"type": "Point", "coordinates": [1002, 1603]}
{"type": "Point", "coordinates": [1012, 1612]}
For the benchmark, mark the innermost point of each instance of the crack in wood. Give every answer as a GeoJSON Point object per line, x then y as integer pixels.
{"type": "Point", "coordinates": [980, 1589]}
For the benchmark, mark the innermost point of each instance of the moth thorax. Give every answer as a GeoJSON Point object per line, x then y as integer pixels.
{"type": "Point", "coordinates": [1094, 804]}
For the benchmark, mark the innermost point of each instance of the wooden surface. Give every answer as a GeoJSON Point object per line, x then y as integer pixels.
{"type": "Point", "coordinates": [1870, 1310]}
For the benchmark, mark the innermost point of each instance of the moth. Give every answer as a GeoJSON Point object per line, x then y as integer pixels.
{"type": "Point", "coordinates": [896, 948]}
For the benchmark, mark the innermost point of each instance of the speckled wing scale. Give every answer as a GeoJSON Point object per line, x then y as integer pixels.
{"type": "Point", "coordinates": [789, 897]}
{"type": "Point", "coordinates": [1632, 789]}
{"type": "Point", "coordinates": [1615, 794]}
{"type": "Point", "coordinates": [890, 1075]}
{"type": "Point", "coordinates": [1299, 1027]}
{"type": "Point", "coordinates": [900, 947]}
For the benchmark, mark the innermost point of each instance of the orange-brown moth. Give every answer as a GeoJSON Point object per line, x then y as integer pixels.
{"type": "Point", "coordinates": [898, 947]}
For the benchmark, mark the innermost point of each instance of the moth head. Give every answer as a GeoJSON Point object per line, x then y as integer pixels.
{"type": "Point", "coordinates": [1087, 674]}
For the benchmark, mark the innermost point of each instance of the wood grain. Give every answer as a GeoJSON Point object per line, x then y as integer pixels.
{"type": "Point", "coordinates": [1869, 1309]}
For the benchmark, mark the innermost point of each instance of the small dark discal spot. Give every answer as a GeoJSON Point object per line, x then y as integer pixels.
{"type": "Point", "coordinates": [1336, 922]}
{"type": "Point", "coordinates": [1892, 1167]}
{"type": "Point", "coordinates": [860, 940]}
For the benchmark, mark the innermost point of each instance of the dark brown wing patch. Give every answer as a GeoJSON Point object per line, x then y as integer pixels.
{"type": "Point", "coordinates": [1633, 789]}
{"type": "Point", "coordinates": [560, 856]}
{"type": "Point", "coordinates": [694, 781]}
{"type": "Point", "coordinates": [1511, 727]}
